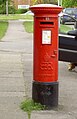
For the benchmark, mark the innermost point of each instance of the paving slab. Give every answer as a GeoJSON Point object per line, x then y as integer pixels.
{"type": "Point", "coordinates": [12, 81]}
{"type": "Point", "coordinates": [12, 94]}
{"type": "Point", "coordinates": [13, 115]}
{"type": "Point", "coordinates": [51, 115]}
{"type": "Point", "coordinates": [11, 88]}
{"type": "Point", "coordinates": [10, 58]}
{"type": "Point", "coordinates": [16, 39]}
{"type": "Point", "coordinates": [10, 103]}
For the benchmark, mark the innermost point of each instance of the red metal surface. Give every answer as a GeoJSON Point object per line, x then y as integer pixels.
{"type": "Point", "coordinates": [45, 61]}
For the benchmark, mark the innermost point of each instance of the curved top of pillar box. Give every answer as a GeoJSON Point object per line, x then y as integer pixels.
{"type": "Point", "coordinates": [46, 9]}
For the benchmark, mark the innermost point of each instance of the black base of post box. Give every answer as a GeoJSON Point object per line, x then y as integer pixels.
{"type": "Point", "coordinates": [45, 93]}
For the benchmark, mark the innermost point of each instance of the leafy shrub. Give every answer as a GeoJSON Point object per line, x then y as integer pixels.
{"type": "Point", "coordinates": [11, 10]}
{"type": "Point", "coordinates": [2, 9]}
{"type": "Point", "coordinates": [21, 11]}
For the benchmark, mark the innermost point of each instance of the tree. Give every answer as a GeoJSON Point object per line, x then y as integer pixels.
{"type": "Point", "coordinates": [34, 2]}
{"type": "Point", "coordinates": [69, 3]}
{"type": "Point", "coordinates": [4, 5]}
{"type": "Point", "coordinates": [7, 7]}
{"type": "Point", "coordinates": [44, 1]}
{"type": "Point", "coordinates": [1, 1]}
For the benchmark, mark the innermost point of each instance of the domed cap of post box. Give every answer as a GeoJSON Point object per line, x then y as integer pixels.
{"type": "Point", "coordinates": [46, 9]}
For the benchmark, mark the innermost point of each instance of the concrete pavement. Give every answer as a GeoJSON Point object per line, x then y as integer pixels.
{"type": "Point", "coordinates": [16, 38]}
{"type": "Point", "coordinates": [16, 78]}
{"type": "Point", "coordinates": [12, 84]}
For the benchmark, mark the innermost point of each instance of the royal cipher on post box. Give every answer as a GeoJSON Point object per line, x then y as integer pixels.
{"type": "Point", "coordinates": [45, 59]}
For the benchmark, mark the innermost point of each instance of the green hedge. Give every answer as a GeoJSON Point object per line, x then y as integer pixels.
{"type": "Point", "coordinates": [2, 9]}
{"type": "Point", "coordinates": [11, 9]}
{"type": "Point", "coordinates": [21, 11]}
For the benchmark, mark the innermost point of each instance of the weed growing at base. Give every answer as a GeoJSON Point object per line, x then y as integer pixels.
{"type": "Point", "coordinates": [29, 106]}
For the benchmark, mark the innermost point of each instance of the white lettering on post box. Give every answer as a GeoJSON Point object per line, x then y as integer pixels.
{"type": "Point", "coordinates": [46, 37]}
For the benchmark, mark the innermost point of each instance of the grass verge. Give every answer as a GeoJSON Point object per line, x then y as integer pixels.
{"type": "Point", "coordinates": [29, 106]}
{"type": "Point", "coordinates": [3, 28]}
{"type": "Point", "coordinates": [15, 17]}
{"type": "Point", "coordinates": [28, 26]}
{"type": "Point", "coordinates": [65, 28]}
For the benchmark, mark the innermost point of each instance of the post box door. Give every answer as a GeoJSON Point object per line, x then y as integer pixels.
{"type": "Point", "coordinates": [47, 58]}
{"type": "Point", "coordinates": [49, 54]}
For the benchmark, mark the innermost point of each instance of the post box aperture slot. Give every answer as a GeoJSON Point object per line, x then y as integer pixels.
{"type": "Point", "coordinates": [46, 23]}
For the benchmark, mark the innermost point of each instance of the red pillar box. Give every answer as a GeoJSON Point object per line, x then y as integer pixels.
{"type": "Point", "coordinates": [45, 68]}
